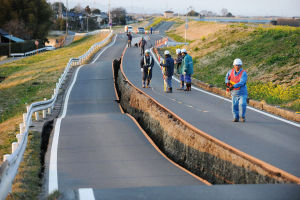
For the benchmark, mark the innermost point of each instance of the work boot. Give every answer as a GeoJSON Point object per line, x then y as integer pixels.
{"type": "Point", "coordinates": [169, 90]}
{"type": "Point", "coordinates": [235, 120]}
{"type": "Point", "coordinates": [188, 87]}
{"type": "Point", "coordinates": [148, 84]}
{"type": "Point", "coordinates": [182, 86]}
{"type": "Point", "coordinates": [144, 84]}
{"type": "Point", "coordinates": [243, 119]}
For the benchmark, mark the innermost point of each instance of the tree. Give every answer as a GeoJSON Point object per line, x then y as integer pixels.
{"type": "Point", "coordinates": [193, 13]}
{"type": "Point", "coordinates": [96, 11]}
{"type": "Point", "coordinates": [88, 10]}
{"type": "Point", "coordinates": [118, 16]}
{"type": "Point", "coordinates": [229, 15]}
{"type": "Point", "coordinates": [33, 14]}
{"type": "Point", "coordinates": [224, 12]}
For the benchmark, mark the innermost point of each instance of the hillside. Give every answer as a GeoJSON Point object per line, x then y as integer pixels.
{"type": "Point", "coordinates": [32, 79]}
{"type": "Point", "coordinates": [271, 56]}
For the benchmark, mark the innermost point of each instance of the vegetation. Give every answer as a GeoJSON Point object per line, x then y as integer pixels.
{"type": "Point", "coordinates": [32, 79]}
{"type": "Point", "coordinates": [28, 183]}
{"type": "Point", "coordinates": [270, 55]}
{"type": "Point", "coordinates": [27, 20]}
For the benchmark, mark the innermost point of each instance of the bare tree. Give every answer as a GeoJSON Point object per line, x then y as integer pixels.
{"type": "Point", "coordinates": [224, 12]}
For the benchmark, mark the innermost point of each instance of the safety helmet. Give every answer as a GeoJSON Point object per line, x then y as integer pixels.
{"type": "Point", "coordinates": [166, 52]}
{"type": "Point", "coordinates": [237, 61]}
{"type": "Point", "coordinates": [183, 50]}
{"type": "Point", "coordinates": [178, 51]}
{"type": "Point", "coordinates": [147, 51]}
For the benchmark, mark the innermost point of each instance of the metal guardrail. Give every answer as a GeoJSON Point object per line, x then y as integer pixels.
{"type": "Point", "coordinates": [9, 167]}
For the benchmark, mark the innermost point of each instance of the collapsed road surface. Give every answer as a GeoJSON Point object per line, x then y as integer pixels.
{"type": "Point", "coordinates": [99, 147]}
{"type": "Point", "coordinates": [265, 137]}
{"type": "Point", "coordinates": [103, 154]}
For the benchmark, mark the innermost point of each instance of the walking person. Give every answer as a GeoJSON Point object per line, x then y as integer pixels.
{"type": "Point", "coordinates": [168, 65]}
{"type": "Point", "coordinates": [178, 62]}
{"type": "Point", "coordinates": [236, 80]}
{"type": "Point", "coordinates": [151, 30]}
{"type": "Point", "coordinates": [187, 69]}
{"type": "Point", "coordinates": [147, 63]}
{"type": "Point", "coordinates": [129, 36]}
{"type": "Point", "coordinates": [142, 45]}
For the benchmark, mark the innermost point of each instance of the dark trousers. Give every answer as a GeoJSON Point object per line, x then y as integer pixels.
{"type": "Point", "coordinates": [147, 74]}
{"type": "Point", "coordinates": [129, 43]}
{"type": "Point", "coordinates": [142, 50]}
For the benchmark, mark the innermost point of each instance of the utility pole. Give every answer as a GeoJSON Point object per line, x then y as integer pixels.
{"type": "Point", "coordinates": [87, 22]}
{"type": "Point", "coordinates": [109, 15]}
{"type": "Point", "coordinates": [67, 17]}
{"type": "Point", "coordinates": [9, 45]}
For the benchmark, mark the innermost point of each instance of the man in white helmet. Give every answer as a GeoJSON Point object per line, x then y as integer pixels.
{"type": "Point", "coordinates": [169, 70]}
{"type": "Point", "coordinates": [178, 61]}
{"type": "Point", "coordinates": [236, 80]}
{"type": "Point", "coordinates": [187, 69]}
{"type": "Point", "coordinates": [147, 64]}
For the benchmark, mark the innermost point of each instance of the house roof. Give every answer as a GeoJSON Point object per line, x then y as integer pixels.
{"type": "Point", "coordinates": [169, 11]}
{"type": "Point", "coordinates": [13, 38]}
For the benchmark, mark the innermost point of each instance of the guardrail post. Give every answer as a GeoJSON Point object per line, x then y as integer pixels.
{"type": "Point", "coordinates": [44, 114]}
{"type": "Point", "coordinates": [37, 117]}
{"type": "Point", "coordinates": [49, 111]}
{"type": "Point", "coordinates": [30, 118]}
{"type": "Point", "coordinates": [24, 119]}
{"type": "Point", "coordinates": [5, 157]}
{"type": "Point", "coordinates": [21, 125]}
{"type": "Point", "coordinates": [14, 146]}
{"type": "Point", "coordinates": [44, 111]}
{"type": "Point", "coordinates": [19, 137]}
{"type": "Point", "coordinates": [54, 90]}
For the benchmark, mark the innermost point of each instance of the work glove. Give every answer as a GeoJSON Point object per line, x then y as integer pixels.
{"type": "Point", "coordinates": [149, 68]}
{"type": "Point", "coordinates": [161, 63]}
{"type": "Point", "coordinates": [184, 73]}
{"type": "Point", "coordinates": [142, 70]}
{"type": "Point", "coordinates": [231, 88]}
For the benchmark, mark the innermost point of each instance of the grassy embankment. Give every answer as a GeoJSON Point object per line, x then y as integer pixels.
{"type": "Point", "coordinates": [270, 55]}
{"type": "Point", "coordinates": [32, 79]}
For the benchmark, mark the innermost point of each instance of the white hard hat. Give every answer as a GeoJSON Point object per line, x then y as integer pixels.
{"type": "Point", "coordinates": [178, 51]}
{"type": "Point", "coordinates": [166, 52]}
{"type": "Point", "coordinates": [237, 61]}
{"type": "Point", "coordinates": [183, 50]}
{"type": "Point", "coordinates": [147, 51]}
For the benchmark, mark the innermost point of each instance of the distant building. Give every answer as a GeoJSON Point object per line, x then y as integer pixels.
{"type": "Point", "coordinates": [168, 14]}
{"type": "Point", "coordinates": [5, 37]}
{"type": "Point", "coordinates": [101, 18]}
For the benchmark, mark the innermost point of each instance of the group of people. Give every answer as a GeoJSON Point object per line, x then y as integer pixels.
{"type": "Point", "coordinates": [184, 67]}
{"type": "Point", "coordinates": [235, 79]}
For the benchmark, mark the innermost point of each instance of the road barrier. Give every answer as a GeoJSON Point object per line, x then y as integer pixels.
{"type": "Point", "coordinates": [11, 162]}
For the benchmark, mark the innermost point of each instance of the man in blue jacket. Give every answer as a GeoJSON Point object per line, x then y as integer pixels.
{"type": "Point", "coordinates": [168, 70]}
{"type": "Point", "coordinates": [187, 69]}
{"type": "Point", "coordinates": [236, 80]}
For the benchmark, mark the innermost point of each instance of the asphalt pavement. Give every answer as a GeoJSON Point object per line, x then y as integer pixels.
{"type": "Point", "coordinates": [266, 138]}
{"type": "Point", "coordinates": [99, 147]}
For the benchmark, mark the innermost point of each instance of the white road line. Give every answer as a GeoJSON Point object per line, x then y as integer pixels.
{"type": "Point", "coordinates": [220, 97]}
{"type": "Point", "coordinates": [86, 194]}
{"type": "Point", "coordinates": [53, 180]}
{"type": "Point", "coordinates": [105, 49]}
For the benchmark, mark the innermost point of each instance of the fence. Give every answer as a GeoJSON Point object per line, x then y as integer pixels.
{"type": "Point", "coordinates": [11, 162]}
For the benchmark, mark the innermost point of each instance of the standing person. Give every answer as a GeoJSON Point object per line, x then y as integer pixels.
{"type": "Point", "coordinates": [236, 80]}
{"type": "Point", "coordinates": [142, 44]}
{"type": "Point", "coordinates": [151, 29]}
{"type": "Point", "coordinates": [178, 61]}
{"type": "Point", "coordinates": [147, 64]}
{"type": "Point", "coordinates": [187, 69]}
{"type": "Point", "coordinates": [169, 70]}
{"type": "Point", "coordinates": [129, 39]}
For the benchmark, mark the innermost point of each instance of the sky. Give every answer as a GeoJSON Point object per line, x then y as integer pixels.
{"type": "Point", "coordinates": [285, 8]}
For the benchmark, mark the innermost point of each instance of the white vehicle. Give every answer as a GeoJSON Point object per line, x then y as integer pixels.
{"type": "Point", "coordinates": [128, 28]}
